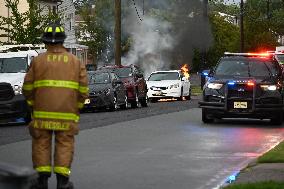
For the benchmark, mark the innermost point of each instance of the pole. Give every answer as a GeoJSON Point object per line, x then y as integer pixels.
{"type": "Point", "coordinates": [242, 26]}
{"type": "Point", "coordinates": [117, 32]}
{"type": "Point", "coordinates": [203, 51]}
{"type": "Point", "coordinates": [268, 9]}
{"type": "Point", "coordinates": [143, 8]}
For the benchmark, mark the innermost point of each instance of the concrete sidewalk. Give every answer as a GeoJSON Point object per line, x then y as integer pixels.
{"type": "Point", "coordinates": [262, 172]}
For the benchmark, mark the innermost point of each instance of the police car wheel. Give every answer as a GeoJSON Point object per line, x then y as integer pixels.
{"type": "Point", "coordinates": [205, 118]}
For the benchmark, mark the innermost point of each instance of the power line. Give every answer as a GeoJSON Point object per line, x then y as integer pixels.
{"type": "Point", "coordinates": [137, 11]}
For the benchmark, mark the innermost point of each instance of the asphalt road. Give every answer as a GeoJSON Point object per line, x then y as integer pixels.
{"type": "Point", "coordinates": [159, 151]}
{"type": "Point", "coordinates": [19, 132]}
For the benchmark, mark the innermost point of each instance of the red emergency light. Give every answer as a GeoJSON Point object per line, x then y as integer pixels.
{"type": "Point", "coordinates": [250, 83]}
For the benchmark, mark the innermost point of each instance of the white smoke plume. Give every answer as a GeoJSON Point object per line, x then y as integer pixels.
{"type": "Point", "coordinates": [150, 38]}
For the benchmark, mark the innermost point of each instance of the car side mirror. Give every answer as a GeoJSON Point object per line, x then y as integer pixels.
{"type": "Point", "coordinates": [206, 73]}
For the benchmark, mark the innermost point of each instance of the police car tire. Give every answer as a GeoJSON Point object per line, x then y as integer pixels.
{"type": "Point", "coordinates": [205, 118]}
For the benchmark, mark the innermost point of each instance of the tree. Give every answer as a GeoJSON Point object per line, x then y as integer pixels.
{"type": "Point", "coordinates": [24, 27]}
{"type": "Point", "coordinates": [259, 30]}
{"type": "Point", "coordinates": [95, 29]}
{"type": "Point", "coordinates": [226, 39]}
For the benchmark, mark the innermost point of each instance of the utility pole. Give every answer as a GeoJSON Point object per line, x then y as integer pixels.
{"type": "Point", "coordinates": [117, 32]}
{"type": "Point", "coordinates": [242, 46]}
{"type": "Point", "coordinates": [143, 8]}
{"type": "Point", "coordinates": [268, 9]}
{"type": "Point", "coordinates": [205, 17]}
{"type": "Point", "coordinates": [203, 51]}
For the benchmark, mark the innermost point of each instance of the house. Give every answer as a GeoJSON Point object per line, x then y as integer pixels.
{"type": "Point", "coordinates": [65, 8]}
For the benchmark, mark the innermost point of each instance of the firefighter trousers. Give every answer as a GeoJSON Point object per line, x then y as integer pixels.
{"type": "Point", "coordinates": [42, 151]}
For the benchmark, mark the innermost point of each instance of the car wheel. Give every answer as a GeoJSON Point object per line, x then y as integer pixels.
{"type": "Point", "coordinates": [135, 103]}
{"type": "Point", "coordinates": [205, 118]}
{"type": "Point", "coordinates": [144, 101]}
{"type": "Point", "coordinates": [125, 105]}
{"type": "Point", "coordinates": [189, 95]}
{"type": "Point", "coordinates": [277, 120]}
{"type": "Point", "coordinates": [181, 95]}
{"type": "Point", "coordinates": [114, 105]}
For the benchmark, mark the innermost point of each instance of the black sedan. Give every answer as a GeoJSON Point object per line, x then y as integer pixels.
{"type": "Point", "coordinates": [106, 91]}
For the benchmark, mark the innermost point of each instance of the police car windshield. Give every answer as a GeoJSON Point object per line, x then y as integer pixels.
{"type": "Point", "coordinates": [123, 72]}
{"type": "Point", "coordinates": [13, 65]}
{"type": "Point", "coordinates": [280, 57]}
{"type": "Point", "coordinates": [164, 76]}
{"type": "Point", "coordinates": [98, 78]}
{"type": "Point", "coordinates": [246, 68]}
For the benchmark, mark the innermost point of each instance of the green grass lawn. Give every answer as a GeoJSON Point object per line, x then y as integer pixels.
{"type": "Point", "coordinates": [196, 90]}
{"type": "Point", "coordinates": [260, 185]}
{"type": "Point", "coordinates": [275, 155]}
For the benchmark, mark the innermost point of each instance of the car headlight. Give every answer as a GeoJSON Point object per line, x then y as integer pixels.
{"type": "Point", "coordinates": [215, 85]}
{"type": "Point", "coordinates": [269, 87]}
{"type": "Point", "coordinates": [174, 86]}
{"type": "Point", "coordinates": [107, 91]}
{"type": "Point", "coordinates": [17, 89]}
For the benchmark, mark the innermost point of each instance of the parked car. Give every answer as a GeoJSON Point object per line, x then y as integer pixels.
{"type": "Point", "coordinates": [106, 91]}
{"type": "Point", "coordinates": [134, 83]}
{"type": "Point", "coordinates": [168, 84]}
{"type": "Point", "coordinates": [13, 67]}
{"type": "Point", "coordinates": [244, 85]}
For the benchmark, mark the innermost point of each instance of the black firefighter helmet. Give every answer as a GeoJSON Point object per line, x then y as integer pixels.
{"type": "Point", "coordinates": [54, 33]}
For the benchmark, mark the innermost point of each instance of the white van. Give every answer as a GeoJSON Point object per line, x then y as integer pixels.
{"type": "Point", "coordinates": [13, 67]}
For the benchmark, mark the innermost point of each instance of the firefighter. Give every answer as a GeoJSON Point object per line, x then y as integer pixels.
{"type": "Point", "coordinates": [55, 87]}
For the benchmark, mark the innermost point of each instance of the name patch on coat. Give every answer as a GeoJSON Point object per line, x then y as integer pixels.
{"type": "Point", "coordinates": [51, 125]}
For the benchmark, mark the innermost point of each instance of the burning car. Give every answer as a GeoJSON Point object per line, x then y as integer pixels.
{"type": "Point", "coordinates": [168, 84]}
{"type": "Point", "coordinates": [134, 82]}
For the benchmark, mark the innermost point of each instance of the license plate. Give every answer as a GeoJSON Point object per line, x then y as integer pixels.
{"type": "Point", "coordinates": [159, 93]}
{"type": "Point", "coordinates": [240, 105]}
{"type": "Point", "coordinates": [87, 101]}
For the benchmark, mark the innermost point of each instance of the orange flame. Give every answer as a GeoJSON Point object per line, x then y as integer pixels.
{"type": "Point", "coordinates": [185, 71]}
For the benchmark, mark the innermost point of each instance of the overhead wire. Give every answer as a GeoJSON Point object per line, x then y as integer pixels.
{"type": "Point", "coordinates": [136, 9]}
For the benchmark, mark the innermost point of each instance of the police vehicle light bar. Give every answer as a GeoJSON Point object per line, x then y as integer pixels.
{"type": "Point", "coordinates": [248, 54]}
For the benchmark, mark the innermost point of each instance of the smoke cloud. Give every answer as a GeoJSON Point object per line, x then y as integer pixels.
{"type": "Point", "coordinates": [151, 37]}
{"type": "Point", "coordinates": [162, 45]}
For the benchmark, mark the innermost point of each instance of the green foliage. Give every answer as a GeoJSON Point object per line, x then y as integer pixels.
{"type": "Point", "coordinates": [261, 31]}
{"type": "Point", "coordinates": [259, 185]}
{"type": "Point", "coordinates": [95, 29]}
{"type": "Point", "coordinates": [226, 39]}
{"type": "Point", "coordinates": [24, 27]}
{"type": "Point", "coordinates": [276, 155]}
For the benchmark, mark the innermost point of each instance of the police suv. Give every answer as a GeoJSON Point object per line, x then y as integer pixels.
{"type": "Point", "coordinates": [244, 85]}
{"type": "Point", "coordinates": [13, 67]}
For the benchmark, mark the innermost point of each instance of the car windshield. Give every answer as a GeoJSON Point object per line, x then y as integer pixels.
{"type": "Point", "coordinates": [13, 65]}
{"type": "Point", "coordinates": [246, 68]}
{"type": "Point", "coordinates": [280, 58]}
{"type": "Point", "coordinates": [98, 78]}
{"type": "Point", "coordinates": [164, 76]}
{"type": "Point", "coordinates": [123, 72]}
